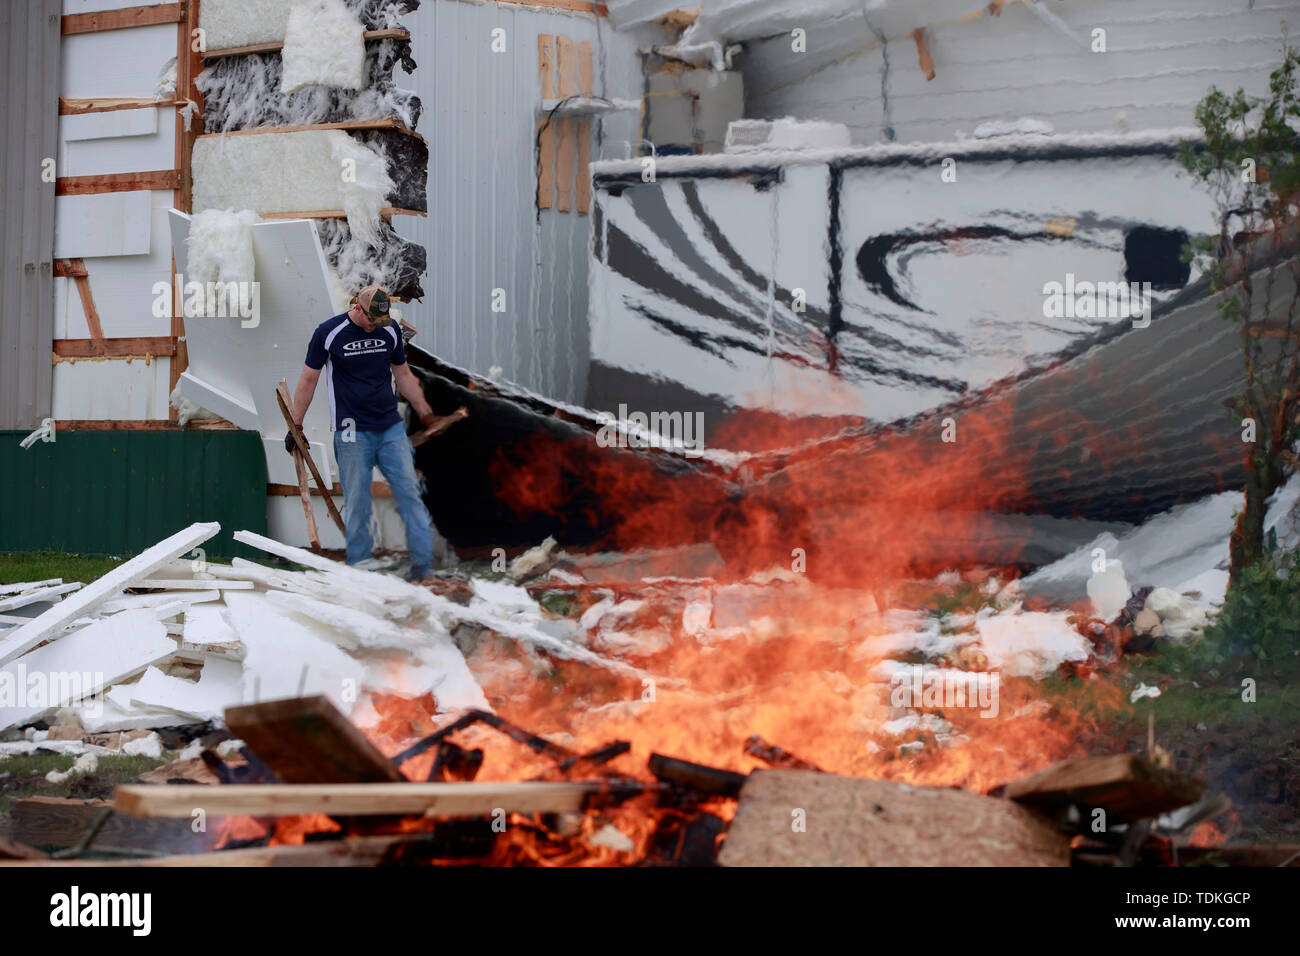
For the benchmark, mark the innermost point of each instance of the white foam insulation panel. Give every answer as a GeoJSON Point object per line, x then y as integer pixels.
{"type": "Point", "coordinates": [116, 62]}
{"type": "Point", "coordinates": [233, 370]}
{"type": "Point", "coordinates": [116, 390]}
{"type": "Point", "coordinates": [105, 224]}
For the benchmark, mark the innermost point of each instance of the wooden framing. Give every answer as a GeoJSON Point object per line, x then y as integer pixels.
{"type": "Point", "coordinates": [391, 33]}
{"type": "Point", "coordinates": [546, 125]}
{"type": "Point", "coordinates": [144, 424]}
{"type": "Point", "coordinates": [390, 123]}
{"type": "Point", "coordinates": [386, 213]}
{"type": "Point", "coordinates": [189, 64]}
{"type": "Point", "coordinates": [116, 182]}
{"type": "Point", "coordinates": [73, 106]}
{"type": "Point", "coordinates": [122, 19]}
{"type": "Point", "coordinates": [923, 53]}
{"type": "Point", "coordinates": [564, 143]}
{"type": "Point", "coordinates": [144, 347]}
{"type": "Point", "coordinates": [577, 6]}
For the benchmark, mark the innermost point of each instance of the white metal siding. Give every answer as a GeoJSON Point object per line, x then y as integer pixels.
{"type": "Point", "coordinates": [29, 39]}
{"type": "Point", "coordinates": [1162, 56]}
{"type": "Point", "coordinates": [482, 232]}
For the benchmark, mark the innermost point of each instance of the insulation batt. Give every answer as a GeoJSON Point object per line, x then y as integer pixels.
{"type": "Point", "coordinates": [293, 172]}
{"type": "Point", "coordinates": [243, 92]}
{"type": "Point", "coordinates": [221, 246]}
{"type": "Point", "coordinates": [234, 23]}
{"type": "Point", "coordinates": [394, 263]}
{"type": "Point", "coordinates": [323, 46]}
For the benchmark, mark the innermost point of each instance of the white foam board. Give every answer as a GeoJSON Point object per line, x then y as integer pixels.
{"type": "Point", "coordinates": [107, 224]}
{"type": "Point", "coordinates": [97, 592]}
{"type": "Point", "coordinates": [102, 653]}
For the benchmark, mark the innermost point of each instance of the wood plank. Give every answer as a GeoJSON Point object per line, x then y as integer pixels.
{"type": "Point", "coordinates": [285, 402]}
{"type": "Point", "coordinates": [856, 822]}
{"type": "Point", "coordinates": [77, 267]}
{"type": "Point", "coordinates": [69, 268]}
{"type": "Point", "coordinates": [578, 6]}
{"type": "Point", "coordinates": [23, 639]}
{"type": "Point", "coordinates": [12, 850]}
{"type": "Point", "coordinates": [158, 346]}
{"type": "Point", "coordinates": [308, 740]}
{"type": "Point", "coordinates": [121, 19]}
{"type": "Point", "coordinates": [1124, 785]}
{"type": "Point", "coordinates": [364, 799]}
{"type": "Point", "coordinates": [388, 212]}
{"type": "Point", "coordinates": [389, 33]}
{"type": "Point", "coordinates": [116, 182]}
{"type": "Point", "coordinates": [546, 125]}
{"type": "Point", "coordinates": [56, 823]}
{"type": "Point", "coordinates": [142, 424]}
{"type": "Point", "coordinates": [390, 123]}
{"type": "Point", "coordinates": [568, 83]}
{"type": "Point", "coordinates": [79, 106]}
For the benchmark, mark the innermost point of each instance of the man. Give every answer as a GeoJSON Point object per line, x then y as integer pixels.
{"type": "Point", "coordinates": [363, 353]}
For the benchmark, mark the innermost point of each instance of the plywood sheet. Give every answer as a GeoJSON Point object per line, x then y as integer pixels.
{"type": "Point", "coordinates": [853, 822]}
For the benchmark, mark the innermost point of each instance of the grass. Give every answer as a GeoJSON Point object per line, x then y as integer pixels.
{"type": "Point", "coordinates": [23, 775]}
{"type": "Point", "coordinates": [41, 565]}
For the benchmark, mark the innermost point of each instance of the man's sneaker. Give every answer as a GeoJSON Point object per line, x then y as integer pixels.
{"type": "Point", "coordinates": [416, 575]}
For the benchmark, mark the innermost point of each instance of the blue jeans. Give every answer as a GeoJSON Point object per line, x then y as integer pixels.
{"type": "Point", "coordinates": [392, 452]}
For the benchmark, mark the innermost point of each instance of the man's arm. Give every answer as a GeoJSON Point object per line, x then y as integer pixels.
{"type": "Point", "coordinates": [413, 392]}
{"type": "Point", "coordinates": [303, 393]}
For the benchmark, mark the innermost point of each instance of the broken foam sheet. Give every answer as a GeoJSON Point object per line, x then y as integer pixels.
{"type": "Point", "coordinates": [81, 665]}
{"type": "Point", "coordinates": [243, 92]}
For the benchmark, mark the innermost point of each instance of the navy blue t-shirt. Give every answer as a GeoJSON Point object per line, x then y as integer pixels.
{"type": "Point", "coordinates": [358, 372]}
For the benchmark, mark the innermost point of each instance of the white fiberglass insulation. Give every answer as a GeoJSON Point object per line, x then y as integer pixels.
{"type": "Point", "coordinates": [323, 46]}
{"type": "Point", "coordinates": [232, 23]}
{"type": "Point", "coordinates": [306, 171]}
{"type": "Point", "coordinates": [221, 246]}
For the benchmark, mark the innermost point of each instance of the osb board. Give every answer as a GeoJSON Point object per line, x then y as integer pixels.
{"type": "Point", "coordinates": [853, 822]}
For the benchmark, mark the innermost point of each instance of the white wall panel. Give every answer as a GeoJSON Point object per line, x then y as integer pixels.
{"type": "Point", "coordinates": [116, 62]}
{"type": "Point", "coordinates": [92, 389]}
{"type": "Point", "coordinates": [105, 224]}
{"type": "Point", "coordinates": [1161, 57]}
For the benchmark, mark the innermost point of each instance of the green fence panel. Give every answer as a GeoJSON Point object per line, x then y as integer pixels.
{"type": "Point", "coordinates": [118, 492]}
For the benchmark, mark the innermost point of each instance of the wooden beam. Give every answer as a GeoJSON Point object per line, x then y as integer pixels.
{"type": "Point", "coordinates": [116, 182]}
{"type": "Point", "coordinates": [546, 125]}
{"type": "Point", "coordinates": [386, 213]}
{"type": "Point", "coordinates": [123, 18]}
{"type": "Point", "coordinates": [158, 346]}
{"type": "Point", "coordinates": [141, 425]}
{"type": "Point", "coordinates": [390, 33]}
{"type": "Point", "coordinates": [308, 740]}
{"type": "Point", "coordinates": [363, 799]}
{"type": "Point", "coordinates": [578, 6]}
{"type": "Point", "coordinates": [389, 123]}
{"type": "Point", "coordinates": [1123, 785]}
{"type": "Point", "coordinates": [71, 106]}
{"type": "Point", "coordinates": [55, 822]}
{"type": "Point", "coordinates": [76, 270]}
{"type": "Point", "coordinates": [189, 64]}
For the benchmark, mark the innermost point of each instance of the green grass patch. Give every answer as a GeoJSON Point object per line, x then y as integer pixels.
{"type": "Point", "coordinates": [42, 565]}
{"type": "Point", "coordinates": [26, 776]}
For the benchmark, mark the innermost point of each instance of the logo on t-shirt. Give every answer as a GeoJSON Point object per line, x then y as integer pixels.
{"type": "Point", "coordinates": [366, 345]}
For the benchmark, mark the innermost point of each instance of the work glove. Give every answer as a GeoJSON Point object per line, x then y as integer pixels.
{"type": "Point", "coordinates": [289, 444]}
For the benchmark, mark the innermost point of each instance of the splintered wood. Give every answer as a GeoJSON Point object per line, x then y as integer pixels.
{"type": "Point", "coordinates": [803, 818]}
{"type": "Point", "coordinates": [1124, 785]}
